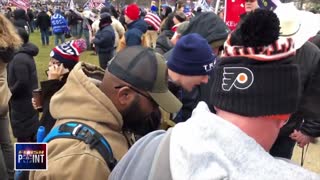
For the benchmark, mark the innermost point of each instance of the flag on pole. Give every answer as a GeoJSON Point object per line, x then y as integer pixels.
{"type": "Point", "coordinates": [269, 4]}
{"type": "Point", "coordinates": [91, 4]}
{"type": "Point", "coordinates": [86, 4]}
{"type": "Point", "coordinates": [71, 5]}
{"type": "Point", "coordinates": [107, 3]}
{"type": "Point", "coordinates": [233, 10]}
{"type": "Point", "coordinates": [100, 6]}
{"type": "Point", "coordinates": [204, 6]}
{"type": "Point", "coordinates": [22, 4]}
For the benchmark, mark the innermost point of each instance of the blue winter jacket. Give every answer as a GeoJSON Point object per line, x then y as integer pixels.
{"type": "Point", "coordinates": [135, 31]}
{"type": "Point", "coordinates": [58, 23]}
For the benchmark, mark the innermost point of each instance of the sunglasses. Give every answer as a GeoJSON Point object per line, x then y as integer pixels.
{"type": "Point", "coordinates": [139, 92]}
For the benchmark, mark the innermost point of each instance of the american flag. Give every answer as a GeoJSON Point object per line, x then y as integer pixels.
{"type": "Point", "coordinates": [91, 4]}
{"type": "Point", "coordinates": [101, 5]}
{"type": "Point", "coordinates": [204, 6]}
{"type": "Point", "coordinates": [71, 5]}
{"type": "Point", "coordinates": [23, 4]}
{"type": "Point", "coordinates": [269, 4]}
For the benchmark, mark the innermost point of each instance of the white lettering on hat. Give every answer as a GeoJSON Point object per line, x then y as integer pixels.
{"type": "Point", "coordinates": [239, 77]}
{"type": "Point", "coordinates": [208, 67]}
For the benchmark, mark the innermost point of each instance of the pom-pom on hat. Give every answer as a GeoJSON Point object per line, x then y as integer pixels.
{"type": "Point", "coordinates": [260, 29]}
{"type": "Point", "coordinates": [191, 56]}
{"type": "Point", "coordinates": [132, 11]}
{"type": "Point", "coordinates": [255, 76]}
{"type": "Point", "coordinates": [68, 52]}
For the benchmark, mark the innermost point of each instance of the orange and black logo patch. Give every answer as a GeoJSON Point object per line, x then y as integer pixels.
{"type": "Point", "coordinates": [238, 77]}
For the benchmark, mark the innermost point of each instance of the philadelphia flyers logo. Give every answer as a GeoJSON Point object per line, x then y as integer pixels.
{"type": "Point", "coordinates": [238, 77]}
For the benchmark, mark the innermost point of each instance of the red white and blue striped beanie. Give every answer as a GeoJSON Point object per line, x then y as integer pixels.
{"type": "Point", "coordinates": [68, 52]}
{"type": "Point", "coordinates": [153, 20]}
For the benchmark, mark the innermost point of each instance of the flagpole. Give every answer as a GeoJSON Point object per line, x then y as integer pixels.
{"type": "Point", "coordinates": [217, 7]}
{"type": "Point", "coordinates": [159, 7]}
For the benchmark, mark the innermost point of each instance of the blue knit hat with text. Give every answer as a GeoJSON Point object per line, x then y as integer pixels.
{"type": "Point", "coordinates": [191, 56]}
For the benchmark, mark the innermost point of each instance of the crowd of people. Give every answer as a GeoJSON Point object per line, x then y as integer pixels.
{"type": "Point", "coordinates": [176, 95]}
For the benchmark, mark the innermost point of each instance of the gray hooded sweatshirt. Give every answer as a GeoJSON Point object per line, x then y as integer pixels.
{"type": "Point", "coordinates": [204, 147]}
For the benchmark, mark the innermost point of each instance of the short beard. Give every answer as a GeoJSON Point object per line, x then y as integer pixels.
{"type": "Point", "coordinates": [134, 120]}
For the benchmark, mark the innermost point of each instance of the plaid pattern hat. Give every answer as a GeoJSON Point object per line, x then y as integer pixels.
{"type": "Point", "coordinates": [153, 20]}
{"type": "Point", "coordinates": [145, 69]}
{"type": "Point", "coordinates": [255, 76]}
{"type": "Point", "coordinates": [68, 52]}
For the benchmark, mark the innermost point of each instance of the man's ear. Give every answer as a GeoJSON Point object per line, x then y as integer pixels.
{"type": "Point", "coordinates": [125, 96]}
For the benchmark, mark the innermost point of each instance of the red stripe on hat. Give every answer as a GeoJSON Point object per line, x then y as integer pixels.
{"type": "Point", "coordinates": [66, 56]}
{"type": "Point", "coordinates": [153, 20]}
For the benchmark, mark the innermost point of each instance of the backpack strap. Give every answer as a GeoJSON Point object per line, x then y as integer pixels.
{"type": "Point", "coordinates": [85, 133]}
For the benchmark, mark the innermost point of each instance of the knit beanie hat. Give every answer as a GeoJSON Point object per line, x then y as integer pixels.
{"type": "Point", "coordinates": [105, 18]}
{"type": "Point", "coordinates": [191, 56]}
{"type": "Point", "coordinates": [255, 76]}
{"type": "Point", "coordinates": [153, 20]}
{"type": "Point", "coordinates": [180, 16]}
{"type": "Point", "coordinates": [154, 8]}
{"type": "Point", "coordinates": [68, 52]}
{"type": "Point", "coordinates": [132, 11]}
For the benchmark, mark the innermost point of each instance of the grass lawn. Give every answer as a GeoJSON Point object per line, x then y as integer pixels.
{"type": "Point", "coordinates": [42, 59]}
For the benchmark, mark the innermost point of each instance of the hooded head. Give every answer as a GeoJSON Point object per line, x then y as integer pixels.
{"type": "Point", "coordinates": [209, 26]}
{"type": "Point", "coordinates": [19, 14]}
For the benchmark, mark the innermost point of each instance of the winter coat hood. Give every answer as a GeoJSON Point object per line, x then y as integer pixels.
{"type": "Point", "coordinates": [139, 24]}
{"type": "Point", "coordinates": [19, 14]}
{"type": "Point", "coordinates": [29, 48]}
{"type": "Point", "coordinates": [208, 25]}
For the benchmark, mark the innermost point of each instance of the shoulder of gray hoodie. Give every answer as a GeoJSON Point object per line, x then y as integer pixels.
{"type": "Point", "coordinates": [148, 159]}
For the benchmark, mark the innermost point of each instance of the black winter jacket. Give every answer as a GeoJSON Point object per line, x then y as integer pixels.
{"type": "Point", "coordinates": [20, 19]}
{"type": "Point", "coordinates": [22, 80]}
{"type": "Point", "coordinates": [163, 43]}
{"type": "Point", "coordinates": [49, 88]}
{"type": "Point", "coordinates": [316, 40]}
{"type": "Point", "coordinates": [308, 59]}
{"type": "Point", "coordinates": [104, 40]}
{"type": "Point", "coordinates": [43, 20]}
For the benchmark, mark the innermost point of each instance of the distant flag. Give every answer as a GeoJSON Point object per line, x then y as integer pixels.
{"type": "Point", "coordinates": [100, 6]}
{"type": "Point", "coordinates": [204, 6]}
{"type": "Point", "coordinates": [233, 9]}
{"type": "Point", "coordinates": [23, 4]}
{"type": "Point", "coordinates": [269, 4]}
{"type": "Point", "coordinates": [71, 5]}
{"type": "Point", "coordinates": [107, 3]}
{"type": "Point", "coordinates": [89, 4]}
{"type": "Point", "coordinates": [86, 4]}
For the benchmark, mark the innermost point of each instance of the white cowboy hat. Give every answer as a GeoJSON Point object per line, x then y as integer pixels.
{"type": "Point", "coordinates": [299, 25]}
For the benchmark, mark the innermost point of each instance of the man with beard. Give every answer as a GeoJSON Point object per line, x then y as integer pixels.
{"type": "Point", "coordinates": [120, 99]}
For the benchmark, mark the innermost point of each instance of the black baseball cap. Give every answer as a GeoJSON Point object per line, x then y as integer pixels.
{"type": "Point", "coordinates": [145, 69]}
